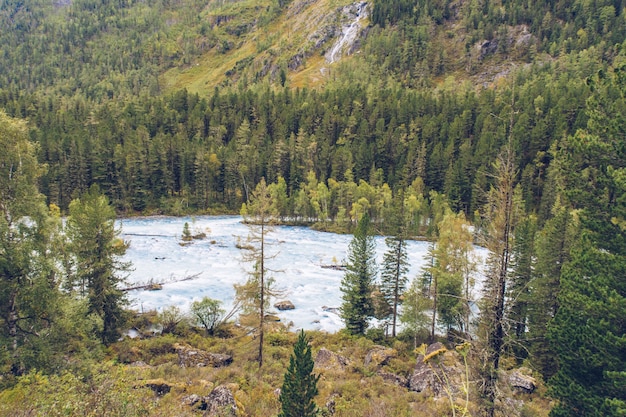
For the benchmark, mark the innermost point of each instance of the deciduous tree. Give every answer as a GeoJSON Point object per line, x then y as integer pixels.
{"type": "Point", "coordinates": [254, 296]}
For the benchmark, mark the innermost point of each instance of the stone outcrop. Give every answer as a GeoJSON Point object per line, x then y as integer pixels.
{"type": "Point", "coordinates": [189, 357]}
{"type": "Point", "coordinates": [428, 376]}
{"type": "Point", "coordinates": [220, 403]}
{"type": "Point", "coordinates": [328, 360]}
{"type": "Point", "coordinates": [521, 382]}
{"type": "Point", "coordinates": [284, 305]}
{"type": "Point", "coordinates": [379, 356]}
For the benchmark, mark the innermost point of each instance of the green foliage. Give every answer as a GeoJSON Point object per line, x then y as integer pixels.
{"type": "Point", "coordinates": [393, 275]}
{"type": "Point", "coordinates": [97, 249]}
{"type": "Point", "coordinates": [357, 282]}
{"type": "Point", "coordinates": [172, 319]}
{"type": "Point", "coordinates": [105, 387]}
{"type": "Point", "coordinates": [587, 332]}
{"type": "Point", "coordinates": [300, 384]}
{"type": "Point", "coordinates": [414, 316]}
{"type": "Point", "coordinates": [207, 313]}
{"type": "Point", "coordinates": [29, 296]}
{"type": "Point", "coordinates": [186, 233]}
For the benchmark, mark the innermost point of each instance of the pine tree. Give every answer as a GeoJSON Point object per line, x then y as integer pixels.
{"type": "Point", "coordinates": [356, 285]}
{"type": "Point", "coordinates": [300, 384]}
{"type": "Point", "coordinates": [99, 270]}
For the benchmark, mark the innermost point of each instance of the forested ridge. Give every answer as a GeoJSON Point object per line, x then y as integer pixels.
{"type": "Point", "coordinates": [508, 116]}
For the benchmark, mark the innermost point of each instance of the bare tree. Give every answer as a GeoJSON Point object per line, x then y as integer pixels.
{"type": "Point", "coordinates": [259, 215]}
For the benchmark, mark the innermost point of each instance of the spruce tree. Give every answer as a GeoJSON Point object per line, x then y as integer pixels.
{"type": "Point", "coordinates": [393, 275]}
{"type": "Point", "coordinates": [356, 285]}
{"type": "Point", "coordinates": [300, 384]}
{"type": "Point", "coordinates": [395, 262]}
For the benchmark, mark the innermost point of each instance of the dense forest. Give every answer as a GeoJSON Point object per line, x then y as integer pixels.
{"type": "Point", "coordinates": [506, 118]}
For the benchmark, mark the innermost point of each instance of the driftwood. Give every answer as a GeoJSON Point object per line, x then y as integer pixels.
{"type": "Point", "coordinates": [335, 267]}
{"type": "Point", "coordinates": [155, 286]}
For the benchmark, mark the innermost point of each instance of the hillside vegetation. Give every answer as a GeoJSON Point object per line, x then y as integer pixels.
{"type": "Point", "coordinates": [503, 118]}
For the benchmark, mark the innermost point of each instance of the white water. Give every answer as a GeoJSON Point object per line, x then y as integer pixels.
{"type": "Point", "coordinates": [348, 34]}
{"type": "Point", "coordinates": [156, 255]}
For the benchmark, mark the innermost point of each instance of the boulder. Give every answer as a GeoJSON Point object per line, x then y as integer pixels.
{"type": "Point", "coordinates": [333, 310]}
{"type": "Point", "coordinates": [428, 375]}
{"type": "Point", "coordinates": [190, 357]}
{"type": "Point", "coordinates": [394, 379]}
{"type": "Point", "coordinates": [331, 403]}
{"type": "Point", "coordinates": [328, 360]}
{"type": "Point", "coordinates": [521, 382]}
{"type": "Point", "coordinates": [271, 318]}
{"type": "Point", "coordinates": [139, 364]}
{"type": "Point", "coordinates": [379, 356]}
{"type": "Point", "coordinates": [220, 403]}
{"type": "Point", "coordinates": [284, 305]}
{"type": "Point", "coordinates": [193, 400]}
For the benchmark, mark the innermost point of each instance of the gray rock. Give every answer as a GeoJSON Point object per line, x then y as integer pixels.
{"type": "Point", "coordinates": [521, 382]}
{"type": "Point", "coordinates": [487, 48]}
{"type": "Point", "coordinates": [394, 379]}
{"type": "Point", "coordinates": [189, 357]}
{"type": "Point", "coordinates": [379, 356]}
{"type": "Point", "coordinates": [192, 400]}
{"type": "Point", "coordinates": [220, 403]}
{"type": "Point", "coordinates": [326, 359]}
{"type": "Point", "coordinates": [331, 404]}
{"type": "Point", "coordinates": [284, 305]}
{"type": "Point", "coordinates": [428, 376]}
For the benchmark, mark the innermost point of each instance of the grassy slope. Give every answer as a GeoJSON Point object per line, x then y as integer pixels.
{"type": "Point", "coordinates": [274, 42]}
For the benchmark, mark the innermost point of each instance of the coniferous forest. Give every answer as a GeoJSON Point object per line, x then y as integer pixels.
{"type": "Point", "coordinates": [495, 123]}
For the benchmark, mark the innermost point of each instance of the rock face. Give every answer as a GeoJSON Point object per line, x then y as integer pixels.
{"type": "Point", "coordinates": [521, 382]}
{"type": "Point", "coordinates": [326, 359]}
{"type": "Point", "coordinates": [189, 357]}
{"type": "Point", "coordinates": [427, 376]}
{"type": "Point", "coordinates": [284, 305]}
{"type": "Point", "coordinates": [220, 403]}
{"type": "Point", "coordinates": [379, 356]}
{"type": "Point", "coordinates": [390, 378]}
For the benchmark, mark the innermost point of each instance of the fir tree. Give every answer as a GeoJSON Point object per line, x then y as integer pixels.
{"type": "Point", "coordinates": [356, 285]}
{"type": "Point", "coordinates": [300, 384]}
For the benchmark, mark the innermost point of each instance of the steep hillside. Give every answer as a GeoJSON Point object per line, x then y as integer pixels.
{"type": "Point", "coordinates": [289, 45]}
